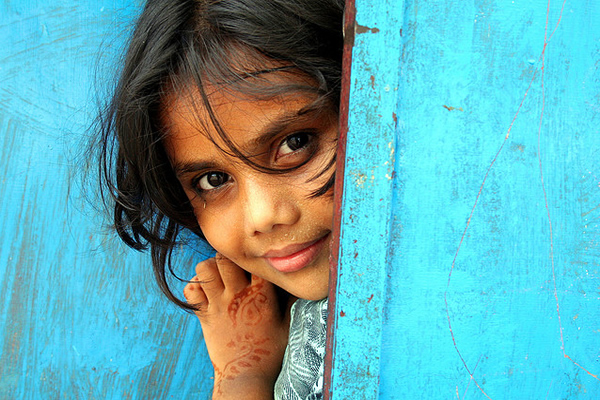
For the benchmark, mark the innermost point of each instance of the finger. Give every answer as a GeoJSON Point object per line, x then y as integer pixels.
{"type": "Point", "coordinates": [194, 294]}
{"type": "Point", "coordinates": [210, 278]}
{"type": "Point", "coordinates": [234, 278]}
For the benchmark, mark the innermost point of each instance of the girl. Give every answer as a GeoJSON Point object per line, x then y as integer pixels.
{"type": "Point", "coordinates": [224, 123]}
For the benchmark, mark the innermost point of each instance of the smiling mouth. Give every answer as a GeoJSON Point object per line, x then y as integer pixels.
{"type": "Point", "coordinates": [295, 257]}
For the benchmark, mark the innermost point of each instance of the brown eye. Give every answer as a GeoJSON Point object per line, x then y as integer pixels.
{"type": "Point", "coordinates": [212, 180]}
{"type": "Point", "coordinates": [293, 143]}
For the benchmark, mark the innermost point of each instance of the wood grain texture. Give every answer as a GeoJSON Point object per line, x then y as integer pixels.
{"type": "Point", "coordinates": [81, 317]}
{"type": "Point", "coordinates": [454, 74]}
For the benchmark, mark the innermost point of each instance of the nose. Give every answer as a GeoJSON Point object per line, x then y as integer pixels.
{"type": "Point", "coordinates": [267, 204]}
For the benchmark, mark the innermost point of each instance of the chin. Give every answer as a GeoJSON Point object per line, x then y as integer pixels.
{"type": "Point", "coordinates": [313, 295]}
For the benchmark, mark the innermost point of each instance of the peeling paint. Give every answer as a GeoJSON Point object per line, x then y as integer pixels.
{"type": "Point", "coordinates": [359, 29]}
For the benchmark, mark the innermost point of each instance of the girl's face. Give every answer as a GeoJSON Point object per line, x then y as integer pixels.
{"type": "Point", "coordinates": [268, 224]}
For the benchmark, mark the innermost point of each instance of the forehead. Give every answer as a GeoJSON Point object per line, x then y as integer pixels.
{"type": "Point", "coordinates": [231, 120]}
{"type": "Point", "coordinates": [234, 113]}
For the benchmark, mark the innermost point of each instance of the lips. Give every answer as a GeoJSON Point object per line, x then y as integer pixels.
{"type": "Point", "coordinates": [295, 257]}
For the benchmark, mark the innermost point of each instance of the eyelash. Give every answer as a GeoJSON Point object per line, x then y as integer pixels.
{"type": "Point", "coordinates": [224, 177]}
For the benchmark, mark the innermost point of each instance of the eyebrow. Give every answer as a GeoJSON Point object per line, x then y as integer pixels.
{"type": "Point", "coordinates": [282, 123]}
{"type": "Point", "coordinates": [182, 168]}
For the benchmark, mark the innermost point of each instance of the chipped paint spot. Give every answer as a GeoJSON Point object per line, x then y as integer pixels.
{"type": "Point", "coordinates": [449, 108]}
{"type": "Point", "coordinates": [364, 29]}
{"type": "Point", "coordinates": [517, 147]}
{"type": "Point", "coordinates": [359, 179]}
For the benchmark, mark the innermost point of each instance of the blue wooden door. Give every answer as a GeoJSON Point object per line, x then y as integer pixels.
{"type": "Point", "coordinates": [81, 317]}
{"type": "Point", "coordinates": [469, 251]}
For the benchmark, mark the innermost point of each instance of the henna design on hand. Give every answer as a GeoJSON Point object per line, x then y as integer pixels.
{"type": "Point", "coordinates": [247, 303]}
{"type": "Point", "coordinates": [249, 354]}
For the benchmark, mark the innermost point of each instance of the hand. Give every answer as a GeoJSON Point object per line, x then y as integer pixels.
{"type": "Point", "coordinates": [243, 327]}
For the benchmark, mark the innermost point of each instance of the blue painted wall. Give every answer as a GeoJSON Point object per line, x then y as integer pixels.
{"type": "Point", "coordinates": [80, 315]}
{"type": "Point", "coordinates": [462, 273]}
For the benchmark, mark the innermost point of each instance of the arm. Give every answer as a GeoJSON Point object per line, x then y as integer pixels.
{"type": "Point", "coordinates": [243, 327]}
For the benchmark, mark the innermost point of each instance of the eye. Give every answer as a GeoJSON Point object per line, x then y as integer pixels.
{"type": "Point", "coordinates": [293, 143]}
{"type": "Point", "coordinates": [212, 180]}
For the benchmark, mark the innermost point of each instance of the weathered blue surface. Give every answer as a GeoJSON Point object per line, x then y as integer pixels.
{"type": "Point", "coordinates": [367, 204]}
{"type": "Point", "coordinates": [80, 315]}
{"type": "Point", "coordinates": [454, 73]}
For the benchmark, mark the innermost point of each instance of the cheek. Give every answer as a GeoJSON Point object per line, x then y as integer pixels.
{"type": "Point", "coordinates": [322, 208]}
{"type": "Point", "coordinates": [221, 231]}
{"type": "Point", "coordinates": [328, 215]}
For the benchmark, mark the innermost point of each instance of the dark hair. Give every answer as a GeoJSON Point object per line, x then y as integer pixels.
{"type": "Point", "coordinates": [223, 42]}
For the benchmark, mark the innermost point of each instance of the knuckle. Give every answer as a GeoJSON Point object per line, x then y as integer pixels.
{"type": "Point", "coordinates": [221, 260]}
{"type": "Point", "coordinates": [206, 268]}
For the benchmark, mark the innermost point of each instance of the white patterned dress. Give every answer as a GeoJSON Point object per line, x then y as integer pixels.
{"type": "Point", "coordinates": [301, 376]}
